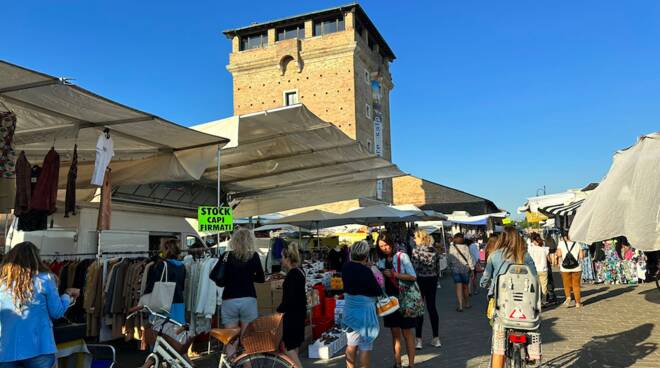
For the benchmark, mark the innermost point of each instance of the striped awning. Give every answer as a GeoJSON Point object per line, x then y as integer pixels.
{"type": "Point", "coordinates": [561, 209]}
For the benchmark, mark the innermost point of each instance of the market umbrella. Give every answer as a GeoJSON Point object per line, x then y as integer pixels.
{"type": "Point", "coordinates": [314, 219]}
{"type": "Point", "coordinates": [377, 215]}
{"type": "Point", "coordinates": [627, 201]}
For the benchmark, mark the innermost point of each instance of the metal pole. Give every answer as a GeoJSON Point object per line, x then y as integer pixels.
{"type": "Point", "coordinates": [218, 192]}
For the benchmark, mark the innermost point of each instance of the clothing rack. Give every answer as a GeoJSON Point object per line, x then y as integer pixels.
{"type": "Point", "coordinates": [68, 254]}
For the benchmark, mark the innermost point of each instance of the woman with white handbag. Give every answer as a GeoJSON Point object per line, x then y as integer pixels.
{"type": "Point", "coordinates": [165, 283]}
{"type": "Point", "coordinates": [360, 292]}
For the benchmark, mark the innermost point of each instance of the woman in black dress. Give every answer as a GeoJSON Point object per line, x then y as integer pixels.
{"type": "Point", "coordinates": [294, 303]}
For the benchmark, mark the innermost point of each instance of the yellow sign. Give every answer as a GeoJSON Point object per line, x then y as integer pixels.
{"type": "Point", "coordinates": [506, 221]}
{"type": "Point", "coordinates": [533, 217]}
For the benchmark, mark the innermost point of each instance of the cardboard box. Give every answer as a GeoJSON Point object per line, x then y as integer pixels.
{"type": "Point", "coordinates": [319, 350]}
{"type": "Point", "coordinates": [265, 311]}
{"type": "Point", "coordinates": [277, 297]}
{"type": "Point", "coordinates": [264, 295]}
{"type": "Point", "coordinates": [265, 291]}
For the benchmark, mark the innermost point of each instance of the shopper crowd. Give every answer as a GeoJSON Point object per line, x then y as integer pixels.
{"type": "Point", "coordinates": [373, 272]}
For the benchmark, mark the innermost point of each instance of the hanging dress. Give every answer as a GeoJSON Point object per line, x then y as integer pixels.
{"type": "Point", "coordinates": [588, 274]}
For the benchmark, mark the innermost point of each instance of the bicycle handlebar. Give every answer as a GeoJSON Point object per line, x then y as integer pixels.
{"type": "Point", "coordinates": [144, 308]}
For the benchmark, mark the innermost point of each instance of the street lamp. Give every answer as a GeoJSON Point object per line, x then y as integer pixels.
{"type": "Point", "coordinates": [540, 189]}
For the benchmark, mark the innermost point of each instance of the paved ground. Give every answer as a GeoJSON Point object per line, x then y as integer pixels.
{"type": "Point", "coordinates": [619, 326]}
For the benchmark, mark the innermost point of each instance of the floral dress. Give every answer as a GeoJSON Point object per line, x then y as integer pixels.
{"type": "Point", "coordinates": [588, 274]}
{"type": "Point", "coordinates": [609, 270]}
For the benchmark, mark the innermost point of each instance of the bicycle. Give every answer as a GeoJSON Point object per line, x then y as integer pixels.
{"type": "Point", "coordinates": [517, 343]}
{"type": "Point", "coordinates": [170, 353]}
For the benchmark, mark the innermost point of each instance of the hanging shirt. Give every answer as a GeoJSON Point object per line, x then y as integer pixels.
{"type": "Point", "coordinates": [104, 153]}
{"type": "Point", "coordinates": [7, 153]}
{"type": "Point", "coordinates": [44, 194]}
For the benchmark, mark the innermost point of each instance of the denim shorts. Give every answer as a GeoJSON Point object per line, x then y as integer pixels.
{"type": "Point", "coordinates": [355, 339]}
{"type": "Point", "coordinates": [40, 361]}
{"type": "Point", "coordinates": [239, 310]}
{"type": "Point", "coordinates": [461, 278]}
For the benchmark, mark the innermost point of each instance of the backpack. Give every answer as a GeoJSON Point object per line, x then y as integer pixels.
{"type": "Point", "coordinates": [518, 298]}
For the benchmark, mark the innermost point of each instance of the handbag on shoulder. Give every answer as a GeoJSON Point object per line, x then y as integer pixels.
{"type": "Point", "coordinates": [160, 298]}
{"type": "Point", "coordinates": [218, 272]}
{"type": "Point", "coordinates": [410, 297]}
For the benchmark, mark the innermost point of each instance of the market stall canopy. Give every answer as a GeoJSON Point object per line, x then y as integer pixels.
{"type": "Point", "coordinates": [52, 112]}
{"type": "Point", "coordinates": [562, 209]}
{"type": "Point", "coordinates": [280, 158]}
{"type": "Point", "coordinates": [533, 204]}
{"type": "Point", "coordinates": [377, 215]}
{"type": "Point", "coordinates": [421, 215]}
{"type": "Point", "coordinates": [627, 201]}
{"type": "Point", "coordinates": [464, 218]}
{"type": "Point", "coordinates": [314, 219]}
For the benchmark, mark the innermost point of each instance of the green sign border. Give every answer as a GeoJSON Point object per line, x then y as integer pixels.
{"type": "Point", "coordinates": [211, 219]}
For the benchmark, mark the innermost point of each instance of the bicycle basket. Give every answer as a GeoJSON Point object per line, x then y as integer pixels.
{"type": "Point", "coordinates": [263, 335]}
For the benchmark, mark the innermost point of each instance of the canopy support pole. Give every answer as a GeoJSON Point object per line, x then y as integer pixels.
{"type": "Point", "coordinates": [218, 200]}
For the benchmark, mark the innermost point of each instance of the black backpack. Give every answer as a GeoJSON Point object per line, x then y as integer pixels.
{"type": "Point", "coordinates": [569, 261]}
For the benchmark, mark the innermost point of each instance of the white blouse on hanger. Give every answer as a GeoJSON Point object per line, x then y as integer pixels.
{"type": "Point", "coordinates": [104, 153]}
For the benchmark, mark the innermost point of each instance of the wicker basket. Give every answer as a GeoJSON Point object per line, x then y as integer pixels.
{"type": "Point", "coordinates": [263, 335]}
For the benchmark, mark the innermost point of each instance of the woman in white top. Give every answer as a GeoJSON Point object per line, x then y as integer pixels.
{"type": "Point", "coordinates": [539, 254]}
{"type": "Point", "coordinates": [571, 272]}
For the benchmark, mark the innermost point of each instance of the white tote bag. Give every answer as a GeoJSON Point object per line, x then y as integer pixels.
{"type": "Point", "coordinates": [160, 298]}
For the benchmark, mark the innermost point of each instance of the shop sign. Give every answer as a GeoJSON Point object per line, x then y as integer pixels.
{"type": "Point", "coordinates": [215, 219]}
{"type": "Point", "coordinates": [378, 137]}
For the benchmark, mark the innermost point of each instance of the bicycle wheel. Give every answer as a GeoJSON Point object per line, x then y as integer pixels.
{"type": "Point", "coordinates": [517, 356]}
{"type": "Point", "coordinates": [263, 361]}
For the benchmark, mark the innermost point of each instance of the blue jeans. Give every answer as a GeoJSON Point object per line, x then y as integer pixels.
{"type": "Point", "coordinates": [40, 361]}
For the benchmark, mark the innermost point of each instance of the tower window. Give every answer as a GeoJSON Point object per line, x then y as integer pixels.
{"type": "Point", "coordinates": [367, 77]}
{"type": "Point", "coordinates": [254, 41]}
{"type": "Point", "coordinates": [297, 31]}
{"type": "Point", "coordinates": [359, 29]}
{"type": "Point", "coordinates": [329, 25]}
{"type": "Point", "coordinates": [290, 98]}
{"type": "Point", "coordinates": [372, 43]}
{"type": "Point", "coordinates": [368, 111]}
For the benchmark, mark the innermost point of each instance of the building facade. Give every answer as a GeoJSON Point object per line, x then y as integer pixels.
{"type": "Point", "coordinates": [333, 61]}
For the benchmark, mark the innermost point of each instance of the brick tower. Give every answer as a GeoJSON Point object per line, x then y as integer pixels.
{"type": "Point", "coordinates": [333, 61]}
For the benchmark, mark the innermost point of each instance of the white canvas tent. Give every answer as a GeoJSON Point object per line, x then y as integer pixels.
{"type": "Point", "coordinates": [51, 112]}
{"type": "Point", "coordinates": [627, 202]}
{"type": "Point", "coordinates": [289, 158]}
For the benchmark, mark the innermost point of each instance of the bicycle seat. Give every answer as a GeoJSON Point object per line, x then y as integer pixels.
{"type": "Point", "coordinates": [225, 335]}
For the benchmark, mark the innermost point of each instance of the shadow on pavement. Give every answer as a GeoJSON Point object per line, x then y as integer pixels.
{"type": "Point", "coordinates": [652, 295]}
{"type": "Point", "coordinates": [598, 351]}
{"type": "Point", "coordinates": [613, 293]}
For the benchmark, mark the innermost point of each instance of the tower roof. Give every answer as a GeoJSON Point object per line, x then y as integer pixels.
{"type": "Point", "coordinates": [361, 14]}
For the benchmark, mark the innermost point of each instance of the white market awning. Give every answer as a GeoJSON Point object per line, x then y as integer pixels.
{"type": "Point", "coordinates": [52, 112]}
{"type": "Point", "coordinates": [289, 158]}
{"type": "Point", "coordinates": [627, 201]}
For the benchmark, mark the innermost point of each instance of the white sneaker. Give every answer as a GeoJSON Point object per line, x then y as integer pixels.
{"type": "Point", "coordinates": [567, 303]}
{"type": "Point", "coordinates": [436, 342]}
{"type": "Point", "coordinates": [418, 346]}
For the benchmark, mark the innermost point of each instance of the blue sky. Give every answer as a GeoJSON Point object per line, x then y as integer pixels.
{"type": "Point", "coordinates": [497, 98]}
